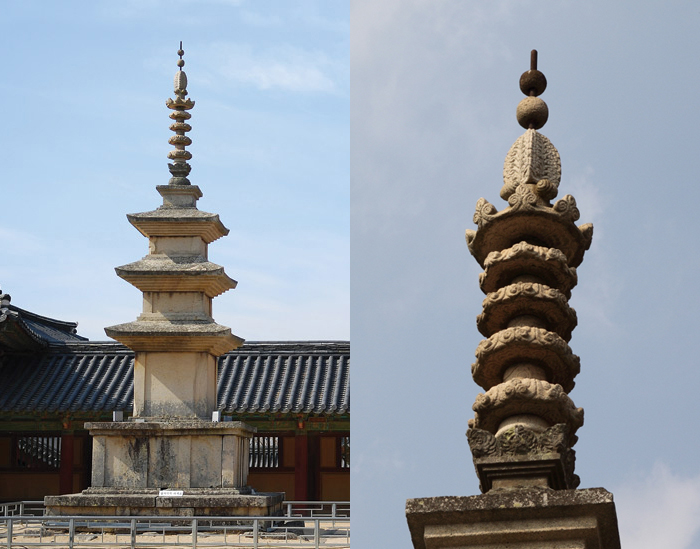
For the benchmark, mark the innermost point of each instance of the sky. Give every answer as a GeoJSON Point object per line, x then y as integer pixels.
{"type": "Point", "coordinates": [85, 132]}
{"type": "Point", "coordinates": [434, 93]}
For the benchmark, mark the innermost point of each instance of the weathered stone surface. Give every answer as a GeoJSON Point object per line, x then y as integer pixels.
{"type": "Point", "coordinates": [531, 159]}
{"type": "Point", "coordinates": [516, 519]}
{"type": "Point", "coordinates": [533, 82]}
{"type": "Point", "coordinates": [525, 221]}
{"type": "Point", "coordinates": [532, 113]}
{"type": "Point", "coordinates": [163, 273]}
{"type": "Point", "coordinates": [529, 345]}
{"type": "Point", "coordinates": [149, 503]}
{"type": "Point", "coordinates": [164, 336]}
{"type": "Point", "coordinates": [520, 455]}
{"type": "Point", "coordinates": [179, 222]}
{"type": "Point", "coordinates": [550, 307]}
{"type": "Point", "coordinates": [546, 265]}
{"type": "Point", "coordinates": [525, 396]}
{"type": "Point", "coordinates": [173, 454]}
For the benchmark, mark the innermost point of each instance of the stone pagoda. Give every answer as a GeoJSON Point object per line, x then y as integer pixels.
{"type": "Point", "coordinates": [173, 457]}
{"type": "Point", "coordinates": [525, 423]}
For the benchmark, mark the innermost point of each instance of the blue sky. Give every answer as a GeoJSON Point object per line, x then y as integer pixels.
{"type": "Point", "coordinates": [434, 93]}
{"type": "Point", "coordinates": [86, 128]}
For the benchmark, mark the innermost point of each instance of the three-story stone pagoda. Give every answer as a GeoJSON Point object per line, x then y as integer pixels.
{"type": "Point", "coordinates": [171, 458]}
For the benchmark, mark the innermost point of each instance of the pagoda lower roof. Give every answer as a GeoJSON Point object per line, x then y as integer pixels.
{"type": "Point", "coordinates": [179, 222]}
{"type": "Point", "coordinates": [160, 273]}
{"type": "Point", "coordinates": [175, 336]}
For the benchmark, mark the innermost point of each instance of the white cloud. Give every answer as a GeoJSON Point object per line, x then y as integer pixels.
{"type": "Point", "coordinates": [282, 67]}
{"type": "Point", "coordinates": [129, 9]}
{"type": "Point", "coordinates": [660, 509]}
{"type": "Point", "coordinates": [256, 19]}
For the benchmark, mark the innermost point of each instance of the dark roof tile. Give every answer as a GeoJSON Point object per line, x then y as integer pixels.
{"type": "Point", "coordinates": [258, 378]}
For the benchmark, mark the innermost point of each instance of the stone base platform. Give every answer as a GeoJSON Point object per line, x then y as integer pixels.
{"type": "Point", "coordinates": [193, 502]}
{"type": "Point", "coordinates": [177, 454]}
{"type": "Point", "coordinates": [527, 518]}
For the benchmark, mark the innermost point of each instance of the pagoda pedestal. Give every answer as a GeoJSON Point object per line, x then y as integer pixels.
{"type": "Point", "coordinates": [202, 464]}
{"type": "Point", "coordinates": [170, 458]}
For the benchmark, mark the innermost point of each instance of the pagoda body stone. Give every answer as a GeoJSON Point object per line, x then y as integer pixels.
{"type": "Point", "coordinates": [525, 423]}
{"type": "Point", "coordinates": [170, 442]}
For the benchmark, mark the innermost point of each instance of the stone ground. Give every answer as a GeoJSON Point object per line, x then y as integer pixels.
{"type": "Point", "coordinates": [31, 536]}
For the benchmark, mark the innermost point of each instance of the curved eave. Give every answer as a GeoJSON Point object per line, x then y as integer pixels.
{"type": "Point", "coordinates": [166, 336]}
{"type": "Point", "coordinates": [508, 227]}
{"type": "Point", "coordinates": [185, 281]}
{"type": "Point", "coordinates": [179, 222]}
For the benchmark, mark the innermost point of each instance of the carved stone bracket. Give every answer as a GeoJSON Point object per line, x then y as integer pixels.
{"type": "Point", "coordinates": [519, 454]}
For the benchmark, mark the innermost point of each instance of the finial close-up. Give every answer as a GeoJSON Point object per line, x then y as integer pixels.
{"type": "Point", "coordinates": [532, 112]}
{"type": "Point", "coordinates": [180, 169]}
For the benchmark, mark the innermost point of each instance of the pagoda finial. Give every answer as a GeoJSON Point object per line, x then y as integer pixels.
{"type": "Point", "coordinates": [532, 112]}
{"type": "Point", "coordinates": [180, 169]}
{"type": "Point", "coordinates": [532, 160]}
{"type": "Point", "coordinates": [524, 426]}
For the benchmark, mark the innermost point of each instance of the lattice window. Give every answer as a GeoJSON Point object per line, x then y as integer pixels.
{"type": "Point", "coordinates": [265, 452]}
{"type": "Point", "coordinates": [37, 452]}
{"type": "Point", "coordinates": [344, 454]}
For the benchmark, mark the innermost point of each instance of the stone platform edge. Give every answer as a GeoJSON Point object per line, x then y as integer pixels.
{"type": "Point", "coordinates": [507, 516]}
{"type": "Point", "coordinates": [148, 502]}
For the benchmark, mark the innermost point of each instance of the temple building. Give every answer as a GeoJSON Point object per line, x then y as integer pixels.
{"type": "Point", "coordinates": [524, 429]}
{"type": "Point", "coordinates": [179, 403]}
{"type": "Point", "coordinates": [296, 394]}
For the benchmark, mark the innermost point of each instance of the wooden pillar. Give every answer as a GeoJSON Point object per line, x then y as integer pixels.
{"type": "Point", "coordinates": [313, 490]}
{"type": "Point", "coordinates": [66, 470]}
{"type": "Point", "coordinates": [301, 467]}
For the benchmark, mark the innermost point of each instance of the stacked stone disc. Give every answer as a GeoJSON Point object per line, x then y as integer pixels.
{"type": "Point", "coordinates": [180, 169]}
{"type": "Point", "coordinates": [525, 423]}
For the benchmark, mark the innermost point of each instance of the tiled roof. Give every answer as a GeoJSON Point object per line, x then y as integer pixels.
{"type": "Point", "coordinates": [258, 378]}
{"type": "Point", "coordinates": [23, 330]}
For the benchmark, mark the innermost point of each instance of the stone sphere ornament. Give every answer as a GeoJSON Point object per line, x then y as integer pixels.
{"type": "Point", "coordinates": [532, 113]}
{"type": "Point", "coordinates": [533, 83]}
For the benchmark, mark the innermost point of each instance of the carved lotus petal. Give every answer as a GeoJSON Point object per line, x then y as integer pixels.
{"type": "Point", "coordinates": [525, 345]}
{"type": "Point", "coordinates": [180, 81]}
{"type": "Point", "coordinates": [526, 396]}
{"type": "Point", "coordinates": [531, 159]}
{"type": "Point", "coordinates": [548, 264]}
